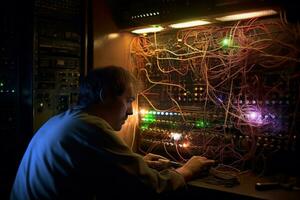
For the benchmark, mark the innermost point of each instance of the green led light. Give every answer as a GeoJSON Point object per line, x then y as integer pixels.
{"type": "Point", "coordinates": [201, 123]}
{"type": "Point", "coordinates": [227, 42]}
{"type": "Point", "coordinates": [144, 127]}
{"type": "Point", "coordinates": [148, 118]}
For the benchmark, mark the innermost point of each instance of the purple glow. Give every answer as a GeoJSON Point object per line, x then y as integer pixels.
{"type": "Point", "coordinates": [254, 117]}
{"type": "Point", "coordinates": [263, 117]}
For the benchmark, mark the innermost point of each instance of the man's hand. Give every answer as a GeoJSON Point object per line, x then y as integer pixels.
{"type": "Point", "coordinates": [157, 162]}
{"type": "Point", "coordinates": [194, 166]}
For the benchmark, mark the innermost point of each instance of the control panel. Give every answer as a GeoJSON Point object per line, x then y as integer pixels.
{"type": "Point", "coordinates": [57, 57]}
{"type": "Point", "coordinates": [229, 92]}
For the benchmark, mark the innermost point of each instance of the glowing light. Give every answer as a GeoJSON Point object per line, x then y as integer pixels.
{"type": "Point", "coordinates": [247, 15]}
{"type": "Point", "coordinates": [113, 36]}
{"type": "Point", "coordinates": [220, 100]}
{"type": "Point", "coordinates": [135, 111]}
{"type": "Point", "coordinates": [144, 127]}
{"type": "Point", "coordinates": [143, 111]}
{"type": "Point", "coordinates": [185, 144]}
{"type": "Point", "coordinates": [254, 117]}
{"type": "Point", "coordinates": [272, 116]}
{"type": "Point", "coordinates": [152, 29]}
{"type": "Point", "coordinates": [148, 117]}
{"type": "Point", "coordinates": [1, 84]}
{"type": "Point", "coordinates": [201, 123]}
{"type": "Point", "coordinates": [189, 24]}
{"type": "Point", "coordinates": [227, 42]}
{"type": "Point", "coordinates": [176, 136]}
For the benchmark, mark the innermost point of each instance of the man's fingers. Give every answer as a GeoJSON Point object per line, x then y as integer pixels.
{"type": "Point", "coordinates": [152, 164]}
{"type": "Point", "coordinates": [209, 162]}
{"type": "Point", "coordinates": [162, 157]}
{"type": "Point", "coordinates": [151, 156]}
{"type": "Point", "coordinates": [157, 157]}
{"type": "Point", "coordinates": [164, 161]}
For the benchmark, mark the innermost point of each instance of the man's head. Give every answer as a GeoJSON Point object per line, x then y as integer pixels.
{"type": "Point", "coordinates": [109, 92]}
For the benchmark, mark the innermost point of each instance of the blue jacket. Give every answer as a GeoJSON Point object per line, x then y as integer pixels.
{"type": "Point", "coordinates": [75, 155]}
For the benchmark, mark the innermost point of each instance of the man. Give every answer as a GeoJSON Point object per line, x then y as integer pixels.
{"type": "Point", "coordinates": [77, 154]}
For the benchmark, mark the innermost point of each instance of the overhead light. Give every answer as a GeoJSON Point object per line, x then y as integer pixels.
{"type": "Point", "coordinates": [113, 35]}
{"type": "Point", "coordinates": [151, 29]}
{"type": "Point", "coordinates": [189, 24]}
{"type": "Point", "coordinates": [247, 15]}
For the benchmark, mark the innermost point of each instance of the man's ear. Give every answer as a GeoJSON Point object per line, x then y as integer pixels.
{"type": "Point", "coordinates": [105, 97]}
{"type": "Point", "coordinates": [101, 96]}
